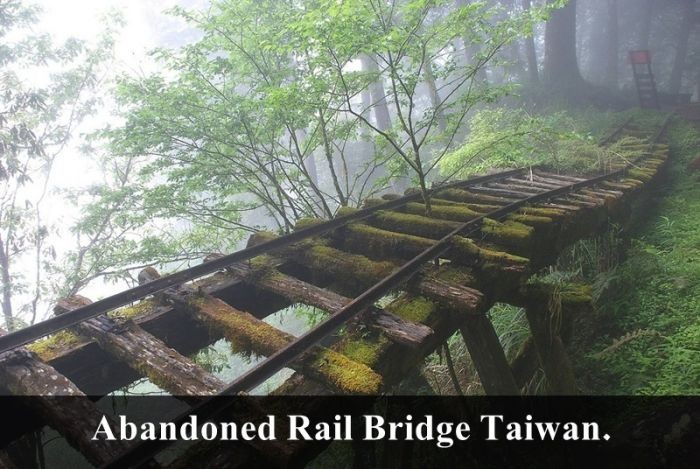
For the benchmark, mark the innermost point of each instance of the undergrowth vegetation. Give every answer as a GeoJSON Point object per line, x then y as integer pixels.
{"type": "Point", "coordinates": [643, 336]}
{"type": "Point", "coordinates": [559, 140]}
{"type": "Point", "coordinates": [648, 308]}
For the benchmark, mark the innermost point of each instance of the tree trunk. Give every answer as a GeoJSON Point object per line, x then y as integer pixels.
{"type": "Point", "coordinates": [687, 20]}
{"type": "Point", "coordinates": [6, 280]}
{"type": "Point", "coordinates": [472, 50]}
{"type": "Point", "coordinates": [328, 151]}
{"type": "Point", "coordinates": [611, 77]}
{"type": "Point", "coordinates": [645, 25]}
{"type": "Point", "coordinates": [530, 51]}
{"type": "Point", "coordinates": [560, 63]}
{"type": "Point", "coordinates": [435, 100]}
{"type": "Point", "coordinates": [377, 95]}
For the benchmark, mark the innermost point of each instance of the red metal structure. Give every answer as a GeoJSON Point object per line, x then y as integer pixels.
{"type": "Point", "coordinates": [644, 79]}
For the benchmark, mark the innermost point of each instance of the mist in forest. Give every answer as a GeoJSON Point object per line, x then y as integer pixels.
{"type": "Point", "coordinates": [156, 133]}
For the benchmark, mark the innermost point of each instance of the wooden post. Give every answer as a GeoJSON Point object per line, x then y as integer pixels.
{"type": "Point", "coordinates": [553, 357]}
{"type": "Point", "coordinates": [488, 356]}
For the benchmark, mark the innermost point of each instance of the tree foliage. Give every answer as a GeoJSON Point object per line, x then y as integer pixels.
{"type": "Point", "coordinates": [246, 118]}
{"type": "Point", "coordinates": [45, 92]}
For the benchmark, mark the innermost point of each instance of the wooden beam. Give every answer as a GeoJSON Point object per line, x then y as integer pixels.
{"type": "Point", "coordinates": [550, 348]}
{"type": "Point", "coordinates": [250, 334]}
{"type": "Point", "coordinates": [405, 332]}
{"type": "Point", "coordinates": [145, 353]}
{"type": "Point", "coordinates": [342, 265]}
{"type": "Point", "coordinates": [23, 374]}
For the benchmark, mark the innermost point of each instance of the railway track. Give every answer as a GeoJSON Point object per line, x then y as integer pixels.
{"type": "Point", "coordinates": [484, 237]}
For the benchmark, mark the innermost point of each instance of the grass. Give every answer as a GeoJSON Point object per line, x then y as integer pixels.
{"type": "Point", "coordinates": [648, 331]}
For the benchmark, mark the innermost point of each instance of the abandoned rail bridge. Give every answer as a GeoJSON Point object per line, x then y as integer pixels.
{"type": "Point", "coordinates": [433, 275]}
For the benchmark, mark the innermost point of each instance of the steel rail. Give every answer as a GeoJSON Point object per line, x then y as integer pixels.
{"type": "Point", "coordinates": [141, 453]}
{"type": "Point", "coordinates": [610, 137]}
{"type": "Point", "coordinates": [57, 323]}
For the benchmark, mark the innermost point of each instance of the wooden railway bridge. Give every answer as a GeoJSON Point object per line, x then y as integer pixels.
{"type": "Point", "coordinates": [435, 275]}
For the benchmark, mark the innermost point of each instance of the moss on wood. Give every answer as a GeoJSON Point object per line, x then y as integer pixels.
{"type": "Point", "coordinates": [443, 212]}
{"type": "Point", "coordinates": [413, 308]}
{"type": "Point", "coordinates": [246, 334]}
{"type": "Point", "coordinates": [307, 222]}
{"type": "Point", "coordinates": [372, 202]}
{"type": "Point", "coordinates": [512, 231]}
{"type": "Point", "coordinates": [480, 208]}
{"type": "Point", "coordinates": [50, 347]}
{"type": "Point", "coordinates": [365, 350]}
{"type": "Point", "coordinates": [459, 195]}
{"type": "Point", "coordinates": [530, 220]}
{"type": "Point", "coordinates": [347, 375]}
{"type": "Point", "coordinates": [345, 211]}
{"type": "Point", "coordinates": [550, 213]}
{"type": "Point", "coordinates": [416, 225]}
{"type": "Point", "coordinates": [354, 269]}
{"type": "Point", "coordinates": [382, 243]}
{"type": "Point", "coordinates": [465, 248]}
{"type": "Point", "coordinates": [644, 175]}
{"type": "Point", "coordinates": [261, 237]}
{"type": "Point", "coordinates": [131, 312]}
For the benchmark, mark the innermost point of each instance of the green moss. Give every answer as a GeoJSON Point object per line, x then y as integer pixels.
{"type": "Point", "coordinates": [413, 308]}
{"type": "Point", "coordinates": [416, 225]}
{"type": "Point", "coordinates": [344, 211]}
{"type": "Point", "coordinates": [347, 375]}
{"type": "Point", "coordinates": [618, 185]}
{"type": "Point", "coordinates": [459, 195]}
{"type": "Point", "coordinates": [243, 331]}
{"type": "Point", "coordinates": [382, 243]}
{"type": "Point", "coordinates": [307, 222]}
{"type": "Point", "coordinates": [261, 237]}
{"type": "Point", "coordinates": [364, 350]}
{"type": "Point", "coordinates": [467, 248]}
{"type": "Point", "coordinates": [543, 212]}
{"type": "Point", "coordinates": [443, 212]}
{"type": "Point", "coordinates": [248, 334]}
{"type": "Point", "coordinates": [636, 183]}
{"type": "Point", "coordinates": [509, 230]}
{"type": "Point", "coordinates": [644, 175]}
{"type": "Point", "coordinates": [262, 266]}
{"type": "Point", "coordinates": [480, 208]}
{"type": "Point", "coordinates": [531, 220]}
{"type": "Point", "coordinates": [350, 268]}
{"type": "Point", "coordinates": [456, 275]}
{"type": "Point", "coordinates": [372, 202]}
{"type": "Point", "coordinates": [130, 312]}
{"type": "Point", "coordinates": [47, 349]}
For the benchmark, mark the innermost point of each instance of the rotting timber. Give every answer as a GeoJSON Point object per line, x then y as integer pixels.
{"type": "Point", "coordinates": [488, 236]}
